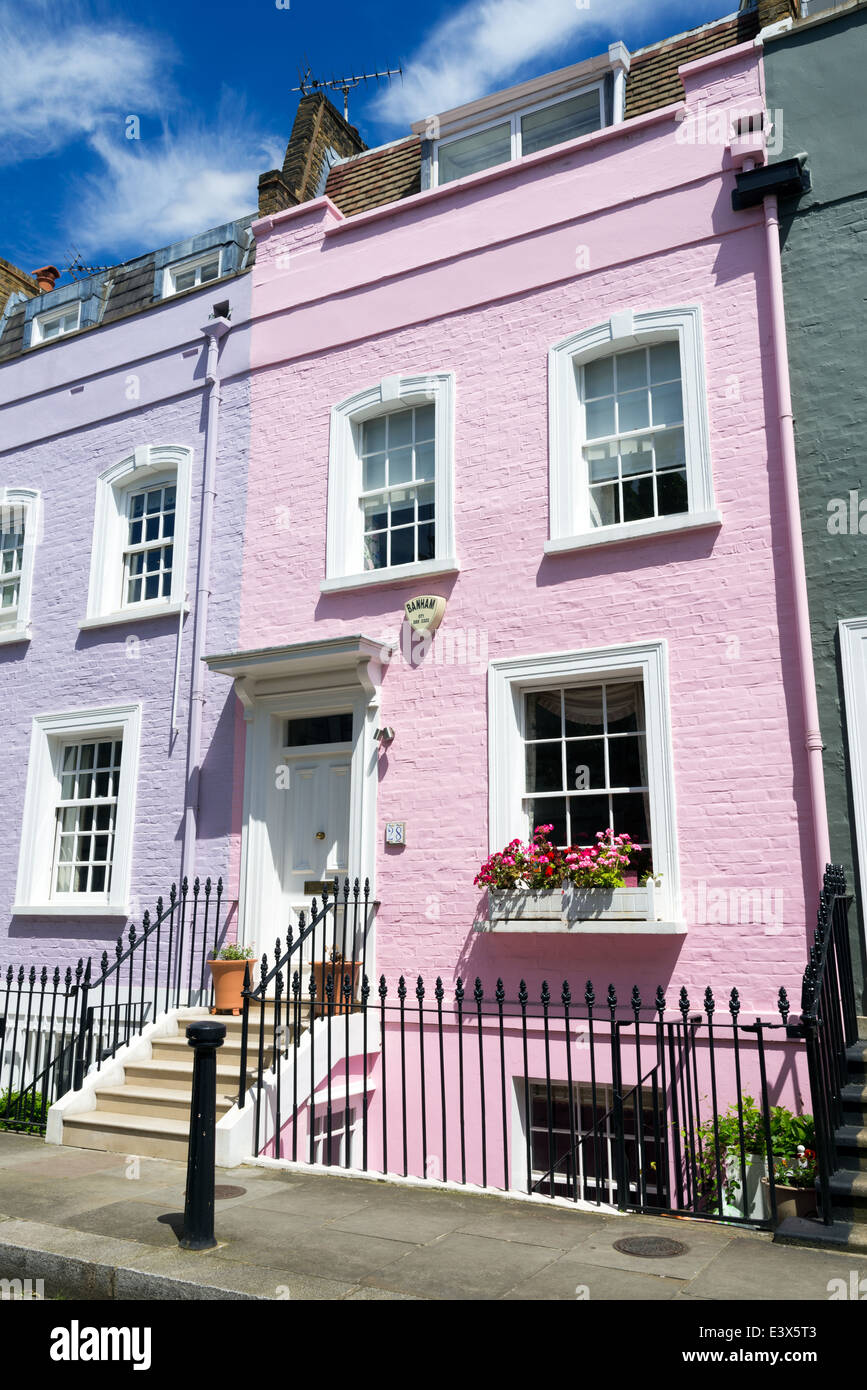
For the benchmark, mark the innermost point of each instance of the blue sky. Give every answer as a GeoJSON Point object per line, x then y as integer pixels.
{"type": "Point", "coordinates": [210, 84]}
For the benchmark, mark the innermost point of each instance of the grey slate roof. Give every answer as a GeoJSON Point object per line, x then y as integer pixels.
{"type": "Point", "coordinates": [126, 289]}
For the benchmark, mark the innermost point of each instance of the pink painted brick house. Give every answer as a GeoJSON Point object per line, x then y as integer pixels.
{"type": "Point", "coordinates": [542, 389]}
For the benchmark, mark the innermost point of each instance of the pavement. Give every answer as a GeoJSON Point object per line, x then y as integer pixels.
{"type": "Point", "coordinates": [105, 1227]}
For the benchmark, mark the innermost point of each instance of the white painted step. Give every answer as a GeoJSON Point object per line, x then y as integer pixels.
{"type": "Point", "coordinates": [164, 1102]}
{"type": "Point", "coordinates": [114, 1132]}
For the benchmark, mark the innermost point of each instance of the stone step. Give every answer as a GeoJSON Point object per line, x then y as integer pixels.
{"type": "Point", "coordinates": [856, 1058]}
{"type": "Point", "coordinates": [854, 1100]}
{"type": "Point", "coordinates": [176, 1076]}
{"type": "Point", "coordinates": [172, 1049]}
{"type": "Point", "coordinates": [163, 1102]}
{"type": "Point", "coordinates": [848, 1190]}
{"type": "Point", "coordinates": [115, 1132]}
{"type": "Point", "coordinates": [851, 1145]}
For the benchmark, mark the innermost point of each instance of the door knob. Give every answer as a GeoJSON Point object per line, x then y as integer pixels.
{"type": "Point", "coordinates": [320, 834]}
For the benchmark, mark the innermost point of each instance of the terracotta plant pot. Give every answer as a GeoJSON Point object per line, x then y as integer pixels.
{"type": "Point", "coordinates": [791, 1201]}
{"type": "Point", "coordinates": [228, 976]}
{"type": "Point", "coordinates": [321, 971]}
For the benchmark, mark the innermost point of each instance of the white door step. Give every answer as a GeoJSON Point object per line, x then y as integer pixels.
{"type": "Point", "coordinates": [175, 1076]}
{"type": "Point", "coordinates": [127, 1134]}
{"type": "Point", "coordinates": [154, 1100]}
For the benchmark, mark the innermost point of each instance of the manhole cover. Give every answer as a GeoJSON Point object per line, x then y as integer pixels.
{"type": "Point", "coordinates": [651, 1247]}
{"type": "Point", "coordinates": [223, 1191]}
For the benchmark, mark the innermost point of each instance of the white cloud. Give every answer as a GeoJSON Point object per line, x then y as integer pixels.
{"type": "Point", "coordinates": [151, 192]}
{"type": "Point", "coordinates": [487, 43]}
{"type": "Point", "coordinates": [62, 81]}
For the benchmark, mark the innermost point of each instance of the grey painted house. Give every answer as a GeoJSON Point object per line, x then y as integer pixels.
{"type": "Point", "coordinates": [814, 72]}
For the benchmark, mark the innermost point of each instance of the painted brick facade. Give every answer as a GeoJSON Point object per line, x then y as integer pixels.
{"type": "Point", "coordinates": [481, 280]}
{"type": "Point", "coordinates": [67, 414]}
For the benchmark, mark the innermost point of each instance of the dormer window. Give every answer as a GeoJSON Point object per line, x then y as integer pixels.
{"type": "Point", "coordinates": [523, 132]}
{"type": "Point", "coordinates": [56, 323]}
{"type": "Point", "coordinates": [188, 275]}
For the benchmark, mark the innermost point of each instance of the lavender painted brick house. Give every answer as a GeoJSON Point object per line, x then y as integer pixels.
{"type": "Point", "coordinates": [116, 394]}
{"type": "Point", "coordinates": [542, 388]}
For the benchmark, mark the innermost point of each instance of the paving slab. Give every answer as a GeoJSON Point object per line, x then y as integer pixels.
{"type": "Point", "coordinates": [571, 1277]}
{"type": "Point", "coordinates": [532, 1225]}
{"type": "Point", "coordinates": [192, 1269]}
{"type": "Point", "coordinates": [473, 1265]}
{"type": "Point", "coordinates": [747, 1269]}
{"type": "Point", "coordinates": [144, 1222]}
{"type": "Point", "coordinates": [301, 1246]}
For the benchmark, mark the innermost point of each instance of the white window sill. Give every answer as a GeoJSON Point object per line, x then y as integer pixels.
{"type": "Point", "coordinates": [635, 530]}
{"type": "Point", "coordinates": [398, 574]}
{"type": "Point", "coordinates": [593, 927]}
{"type": "Point", "coordinates": [69, 910]}
{"type": "Point", "coordinates": [14, 634]}
{"type": "Point", "coordinates": [134, 614]}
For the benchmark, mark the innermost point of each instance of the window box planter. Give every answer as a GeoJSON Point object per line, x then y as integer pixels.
{"type": "Point", "coordinates": [571, 909]}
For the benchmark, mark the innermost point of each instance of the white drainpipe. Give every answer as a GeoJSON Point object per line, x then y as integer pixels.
{"type": "Point", "coordinates": [214, 330]}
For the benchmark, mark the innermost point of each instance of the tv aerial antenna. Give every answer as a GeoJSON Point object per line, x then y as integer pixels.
{"type": "Point", "coordinates": [308, 83]}
{"type": "Point", "coordinates": [77, 268]}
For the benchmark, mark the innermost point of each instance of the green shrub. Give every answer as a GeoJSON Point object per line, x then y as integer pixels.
{"type": "Point", "coordinates": [23, 1112]}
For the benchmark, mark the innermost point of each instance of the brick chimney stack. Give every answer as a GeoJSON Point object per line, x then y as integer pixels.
{"type": "Point", "coordinates": [318, 127]}
{"type": "Point", "coordinates": [772, 11]}
{"type": "Point", "coordinates": [45, 278]}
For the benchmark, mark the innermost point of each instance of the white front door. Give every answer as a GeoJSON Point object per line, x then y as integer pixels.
{"type": "Point", "coordinates": [318, 759]}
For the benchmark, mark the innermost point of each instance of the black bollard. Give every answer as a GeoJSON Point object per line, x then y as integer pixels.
{"type": "Point", "coordinates": [205, 1037]}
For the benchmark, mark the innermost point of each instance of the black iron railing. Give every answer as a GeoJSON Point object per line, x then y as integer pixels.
{"type": "Point", "coordinates": [828, 1024]}
{"type": "Point", "coordinates": [55, 1026]}
{"type": "Point", "coordinates": [334, 941]}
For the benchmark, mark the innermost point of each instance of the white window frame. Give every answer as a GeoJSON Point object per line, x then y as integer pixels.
{"type": "Point", "coordinates": [149, 464]}
{"type": "Point", "coordinates": [37, 331]}
{"type": "Point", "coordinates": [570, 525]}
{"type": "Point", "coordinates": [345, 538]}
{"type": "Point", "coordinates": [34, 895]}
{"type": "Point", "coordinates": [511, 678]}
{"type": "Point", "coordinates": [191, 263]}
{"type": "Point", "coordinates": [30, 500]}
{"type": "Point", "coordinates": [513, 119]}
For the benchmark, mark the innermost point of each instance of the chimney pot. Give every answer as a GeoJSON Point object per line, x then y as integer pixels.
{"type": "Point", "coordinates": [45, 277]}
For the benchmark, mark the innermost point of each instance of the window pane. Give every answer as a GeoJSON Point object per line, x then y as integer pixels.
{"type": "Point", "coordinates": [322, 728]}
{"type": "Point", "coordinates": [599, 378]}
{"type": "Point", "coordinates": [399, 429]}
{"type": "Point", "coordinates": [637, 499]}
{"type": "Point", "coordinates": [427, 542]}
{"type": "Point", "coordinates": [583, 710]}
{"type": "Point", "coordinates": [636, 456]}
{"type": "Point", "coordinates": [544, 767]}
{"type": "Point", "coordinates": [550, 811]}
{"type": "Point", "coordinates": [672, 493]}
{"type": "Point", "coordinates": [632, 411]}
{"type": "Point", "coordinates": [589, 815]}
{"type": "Point", "coordinates": [602, 461]}
{"type": "Point", "coordinates": [630, 816]}
{"type": "Point", "coordinates": [627, 761]}
{"type": "Point", "coordinates": [403, 510]}
{"type": "Point", "coordinates": [631, 370]}
{"type": "Point", "coordinates": [605, 505]}
{"type": "Point", "coordinates": [399, 465]}
{"type": "Point", "coordinates": [599, 418]}
{"type": "Point", "coordinates": [667, 404]}
{"type": "Point", "coordinates": [670, 449]}
{"type": "Point", "coordinates": [625, 707]}
{"type": "Point", "coordinates": [585, 764]}
{"type": "Point", "coordinates": [375, 516]}
{"type": "Point", "coordinates": [424, 423]}
{"type": "Point", "coordinates": [543, 715]}
{"type": "Point", "coordinates": [373, 473]}
{"type": "Point", "coordinates": [485, 148]}
{"type": "Point", "coordinates": [403, 546]}
{"type": "Point", "coordinates": [425, 466]}
{"type": "Point", "coordinates": [209, 271]}
{"type": "Point", "coordinates": [375, 551]}
{"type": "Point", "coordinates": [665, 362]}
{"type": "Point", "coordinates": [373, 436]}
{"type": "Point", "coordinates": [565, 120]}
{"type": "Point", "coordinates": [425, 497]}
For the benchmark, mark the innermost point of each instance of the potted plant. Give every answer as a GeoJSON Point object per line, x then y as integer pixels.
{"type": "Point", "coordinates": [794, 1183]}
{"type": "Point", "coordinates": [338, 968]}
{"type": "Point", "coordinates": [228, 969]}
{"type": "Point", "coordinates": [537, 882]}
{"type": "Point", "coordinates": [745, 1186]}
